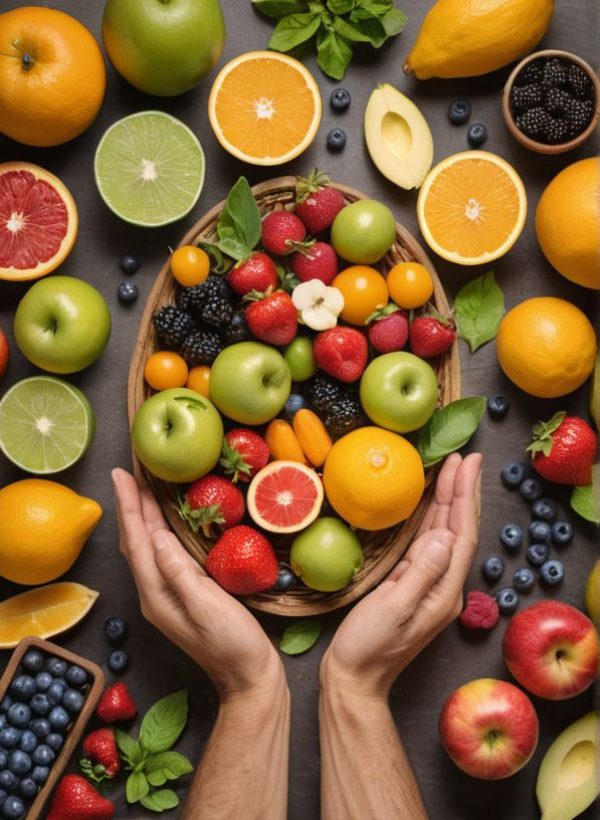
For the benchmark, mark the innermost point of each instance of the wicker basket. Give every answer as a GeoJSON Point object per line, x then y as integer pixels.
{"type": "Point", "coordinates": [381, 549]}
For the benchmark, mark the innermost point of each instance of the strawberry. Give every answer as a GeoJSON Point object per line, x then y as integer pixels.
{"type": "Point", "coordinates": [212, 500]}
{"type": "Point", "coordinates": [257, 272]}
{"type": "Point", "coordinates": [279, 230]}
{"type": "Point", "coordinates": [564, 449]}
{"type": "Point", "coordinates": [116, 704]}
{"type": "Point", "coordinates": [101, 755]}
{"type": "Point", "coordinates": [317, 205]}
{"type": "Point", "coordinates": [243, 561]}
{"type": "Point", "coordinates": [4, 354]}
{"type": "Point", "coordinates": [341, 352]}
{"type": "Point", "coordinates": [272, 318]}
{"type": "Point", "coordinates": [244, 454]}
{"type": "Point", "coordinates": [76, 799]}
{"type": "Point", "coordinates": [431, 335]}
{"type": "Point", "coordinates": [388, 329]}
{"type": "Point", "coordinates": [315, 260]}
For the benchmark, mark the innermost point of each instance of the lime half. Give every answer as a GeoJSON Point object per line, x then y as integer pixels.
{"type": "Point", "coordinates": [149, 168]}
{"type": "Point", "coordinates": [46, 425]}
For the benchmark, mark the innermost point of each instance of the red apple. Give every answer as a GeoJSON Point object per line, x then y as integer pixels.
{"type": "Point", "coordinates": [552, 649]}
{"type": "Point", "coordinates": [4, 354]}
{"type": "Point", "coordinates": [489, 728]}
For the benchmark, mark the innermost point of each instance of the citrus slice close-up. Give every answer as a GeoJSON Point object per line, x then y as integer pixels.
{"type": "Point", "coordinates": [285, 496]}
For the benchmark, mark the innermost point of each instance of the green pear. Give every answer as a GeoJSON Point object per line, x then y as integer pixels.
{"type": "Point", "coordinates": [592, 594]}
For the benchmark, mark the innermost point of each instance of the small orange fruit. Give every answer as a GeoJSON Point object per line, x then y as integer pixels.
{"type": "Point", "coordinates": [199, 380]}
{"type": "Point", "coordinates": [364, 290]}
{"type": "Point", "coordinates": [190, 265]}
{"type": "Point", "coordinates": [165, 370]}
{"type": "Point", "coordinates": [52, 76]}
{"type": "Point", "coordinates": [410, 285]}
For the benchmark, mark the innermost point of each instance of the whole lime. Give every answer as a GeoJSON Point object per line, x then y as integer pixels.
{"type": "Point", "coordinates": [363, 232]}
{"type": "Point", "coordinates": [327, 555]}
{"type": "Point", "coordinates": [301, 361]}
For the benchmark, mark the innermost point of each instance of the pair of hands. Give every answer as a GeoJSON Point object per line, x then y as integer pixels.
{"type": "Point", "coordinates": [376, 640]}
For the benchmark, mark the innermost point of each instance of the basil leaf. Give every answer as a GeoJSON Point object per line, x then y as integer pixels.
{"type": "Point", "coordinates": [239, 223]}
{"type": "Point", "coordinates": [218, 264]}
{"type": "Point", "coordinates": [349, 31]}
{"type": "Point", "coordinates": [162, 800]}
{"type": "Point", "coordinates": [585, 501]}
{"type": "Point", "coordinates": [293, 30]}
{"type": "Point", "coordinates": [277, 9]}
{"type": "Point", "coordinates": [130, 749]}
{"type": "Point", "coordinates": [136, 787]}
{"type": "Point", "coordinates": [333, 54]}
{"type": "Point", "coordinates": [393, 22]}
{"type": "Point", "coordinates": [478, 309]}
{"type": "Point", "coordinates": [373, 30]}
{"type": "Point", "coordinates": [366, 9]}
{"type": "Point", "coordinates": [300, 636]}
{"type": "Point", "coordinates": [166, 766]}
{"type": "Point", "coordinates": [450, 428]}
{"type": "Point", "coordinates": [164, 722]}
{"type": "Point", "coordinates": [340, 6]}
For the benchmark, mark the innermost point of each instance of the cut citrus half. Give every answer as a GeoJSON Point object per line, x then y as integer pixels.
{"type": "Point", "coordinates": [472, 208]}
{"type": "Point", "coordinates": [38, 221]}
{"type": "Point", "coordinates": [44, 612]}
{"type": "Point", "coordinates": [285, 496]}
{"type": "Point", "coordinates": [265, 108]}
{"type": "Point", "coordinates": [46, 425]}
{"type": "Point", "coordinates": [149, 169]}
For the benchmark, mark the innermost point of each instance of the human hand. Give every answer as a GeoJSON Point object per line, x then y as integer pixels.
{"type": "Point", "coordinates": [420, 597]}
{"type": "Point", "coordinates": [187, 606]}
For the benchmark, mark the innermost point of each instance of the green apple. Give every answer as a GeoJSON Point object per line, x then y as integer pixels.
{"type": "Point", "coordinates": [163, 47]}
{"type": "Point", "coordinates": [177, 434]}
{"type": "Point", "coordinates": [250, 382]}
{"type": "Point", "coordinates": [363, 232]}
{"type": "Point", "coordinates": [399, 391]}
{"type": "Point", "coordinates": [327, 555]}
{"type": "Point", "coordinates": [301, 361]}
{"type": "Point", "coordinates": [62, 324]}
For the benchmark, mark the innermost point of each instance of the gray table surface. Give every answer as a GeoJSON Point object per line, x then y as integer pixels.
{"type": "Point", "coordinates": [455, 658]}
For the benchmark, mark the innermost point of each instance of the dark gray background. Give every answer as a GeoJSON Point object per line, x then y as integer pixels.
{"type": "Point", "coordinates": [455, 658]}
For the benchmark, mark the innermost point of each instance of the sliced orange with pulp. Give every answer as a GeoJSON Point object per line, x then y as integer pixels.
{"type": "Point", "coordinates": [472, 208]}
{"type": "Point", "coordinates": [265, 107]}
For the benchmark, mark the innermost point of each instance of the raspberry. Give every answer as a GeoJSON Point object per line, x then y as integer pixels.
{"type": "Point", "coordinates": [481, 611]}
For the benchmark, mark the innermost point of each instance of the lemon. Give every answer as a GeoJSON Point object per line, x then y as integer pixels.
{"type": "Point", "coordinates": [546, 346]}
{"type": "Point", "coordinates": [44, 528]}
{"type": "Point", "coordinates": [466, 38]}
{"type": "Point", "coordinates": [567, 223]}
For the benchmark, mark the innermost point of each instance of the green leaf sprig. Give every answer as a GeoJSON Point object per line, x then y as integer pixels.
{"type": "Point", "coordinates": [450, 428]}
{"type": "Point", "coordinates": [478, 310]}
{"type": "Point", "coordinates": [585, 501]}
{"type": "Point", "coordinates": [332, 26]}
{"type": "Point", "coordinates": [239, 223]}
{"type": "Point", "coordinates": [300, 636]}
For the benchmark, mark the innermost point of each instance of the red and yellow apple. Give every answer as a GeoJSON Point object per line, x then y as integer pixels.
{"type": "Point", "coordinates": [489, 728]}
{"type": "Point", "coordinates": [552, 650]}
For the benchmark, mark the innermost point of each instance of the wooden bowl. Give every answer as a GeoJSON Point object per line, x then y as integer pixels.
{"type": "Point", "coordinates": [541, 147]}
{"type": "Point", "coordinates": [73, 737]}
{"type": "Point", "coordinates": [381, 549]}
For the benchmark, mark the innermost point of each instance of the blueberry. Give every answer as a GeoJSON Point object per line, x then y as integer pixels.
{"type": "Point", "coordinates": [76, 676]}
{"type": "Point", "coordinates": [9, 737]}
{"type": "Point", "coordinates": [116, 630]}
{"type": "Point", "coordinates": [2, 720]}
{"type": "Point", "coordinates": [562, 533]}
{"type": "Point", "coordinates": [19, 762]}
{"type": "Point", "coordinates": [508, 600]}
{"type": "Point", "coordinates": [59, 718]}
{"type": "Point", "coordinates": [19, 715]}
{"type": "Point", "coordinates": [6, 703]}
{"type": "Point", "coordinates": [459, 112]}
{"type": "Point", "coordinates": [336, 139]}
{"type": "Point", "coordinates": [285, 580]}
{"type": "Point", "coordinates": [3, 758]}
{"type": "Point", "coordinates": [340, 99]}
{"type": "Point", "coordinates": [8, 780]}
{"type": "Point", "coordinates": [43, 681]}
{"type": "Point", "coordinates": [492, 568]}
{"type": "Point", "coordinates": [513, 474]}
{"type": "Point", "coordinates": [537, 554]}
{"type": "Point", "coordinates": [552, 573]}
{"type": "Point", "coordinates": [540, 532]}
{"type": "Point", "coordinates": [23, 687]}
{"type": "Point", "coordinates": [117, 661]}
{"type": "Point", "coordinates": [294, 403]}
{"type": "Point", "coordinates": [57, 667]}
{"type": "Point", "coordinates": [33, 661]}
{"type": "Point", "coordinates": [477, 134]}
{"type": "Point", "coordinates": [40, 704]}
{"type": "Point", "coordinates": [56, 691]}
{"type": "Point", "coordinates": [13, 808]}
{"type": "Point", "coordinates": [511, 537]}
{"type": "Point", "coordinates": [28, 788]}
{"type": "Point", "coordinates": [55, 741]}
{"type": "Point", "coordinates": [523, 579]}
{"type": "Point", "coordinates": [544, 509]}
{"type": "Point", "coordinates": [530, 489]}
{"type": "Point", "coordinates": [43, 756]}
{"type": "Point", "coordinates": [39, 774]}
{"type": "Point", "coordinates": [3, 797]}
{"type": "Point", "coordinates": [129, 263]}
{"type": "Point", "coordinates": [127, 292]}
{"type": "Point", "coordinates": [40, 727]}
{"type": "Point", "coordinates": [28, 741]}
{"type": "Point", "coordinates": [497, 407]}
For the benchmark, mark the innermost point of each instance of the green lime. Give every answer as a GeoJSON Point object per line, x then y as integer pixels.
{"type": "Point", "coordinates": [46, 424]}
{"type": "Point", "coordinates": [149, 168]}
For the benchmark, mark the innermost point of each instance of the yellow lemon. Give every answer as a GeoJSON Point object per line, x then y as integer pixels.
{"type": "Point", "coordinates": [373, 478]}
{"type": "Point", "coordinates": [44, 528]}
{"type": "Point", "coordinates": [546, 346]}
{"type": "Point", "coordinates": [567, 223]}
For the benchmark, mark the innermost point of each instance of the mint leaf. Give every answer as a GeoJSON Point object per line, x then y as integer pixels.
{"type": "Point", "coordinates": [333, 54]}
{"type": "Point", "coordinates": [166, 766]}
{"type": "Point", "coordinates": [277, 9]}
{"type": "Point", "coordinates": [294, 30]}
{"type": "Point", "coordinates": [239, 224]}
{"type": "Point", "coordinates": [164, 722]}
{"type": "Point", "coordinates": [478, 309]}
{"type": "Point", "coordinates": [136, 787]}
{"type": "Point", "coordinates": [300, 636]}
{"type": "Point", "coordinates": [585, 501]}
{"type": "Point", "coordinates": [129, 748]}
{"type": "Point", "coordinates": [393, 22]}
{"type": "Point", "coordinates": [162, 800]}
{"type": "Point", "coordinates": [450, 428]}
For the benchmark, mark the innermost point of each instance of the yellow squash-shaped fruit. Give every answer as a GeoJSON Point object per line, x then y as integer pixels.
{"type": "Point", "coordinates": [313, 436]}
{"type": "Point", "coordinates": [592, 594]}
{"type": "Point", "coordinates": [466, 38]}
{"type": "Point", "coordinates": [283, 443]}
{"type": "Point", "coordinates": [44, 528]}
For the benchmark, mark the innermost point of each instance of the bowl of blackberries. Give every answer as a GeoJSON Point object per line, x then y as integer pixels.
{"type": "Point", "coordinates": [551, 101]}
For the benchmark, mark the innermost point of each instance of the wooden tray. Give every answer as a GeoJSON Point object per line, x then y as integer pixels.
{"type": "Point", "coordinates": [382, 550]}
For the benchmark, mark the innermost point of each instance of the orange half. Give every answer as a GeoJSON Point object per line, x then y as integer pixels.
{"type": "Point", "coordinates": [472, 208]}
{"type": "Point", "coordinates": [265, 108]}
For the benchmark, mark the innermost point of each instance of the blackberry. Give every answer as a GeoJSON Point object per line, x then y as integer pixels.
{"type": "Point", "coordinates": [531, 74]}
{"type": "Point", "coordinates": [579, 115]}
{"type": "Point", "coordinates": [579, 82]}
{"type": "Point", "coordinates": [557, 101]}
{"type": "Point", "coordinates": [208, 302]}
{"type": "Point", "coordinates": [533, 122]}
{"type": "Point", "coordinates": [554, 73]}
{"type": "Point", "coordinates": [201, 347]}
{"type": "Point", "coordinates": [172, 325]}
{"type": "Point", "coordinates": [344, 415]}
{"type": "Point", "coordinates": [525, 97]}
{"type": "Point", "coordinates": [555, 132]}
{"type": "Point", "coordinates": [321, 392]}
{"type": "Point", "coordinates": [237, 330]}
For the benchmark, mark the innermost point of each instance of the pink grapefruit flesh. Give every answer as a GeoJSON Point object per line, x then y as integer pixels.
{"type": "Point", "coordinates": [285, 496]}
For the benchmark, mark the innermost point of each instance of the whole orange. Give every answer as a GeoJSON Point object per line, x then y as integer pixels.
{"type": "Point", "coordinates": [364, 290]}
{"type": "Point", "coordinates": [52, 76]}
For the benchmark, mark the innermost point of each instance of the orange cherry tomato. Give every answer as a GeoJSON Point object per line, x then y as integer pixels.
{"type": "Point", "coordinates": [190, 265]}
{"type": "Point", "coordinates": [410, 285]}
{"type": "Point", "coordinates": [364, 290]}
{"type": "Point", "coordinates": [199, 379]}
{"type": "Point", "coordinates": [165, 369]}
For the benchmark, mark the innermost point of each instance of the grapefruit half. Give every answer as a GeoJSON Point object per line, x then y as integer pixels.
{"type": "Point", "coordinates": [38, 221]}
{"type": "Point", "coordinates": [285, 496]}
